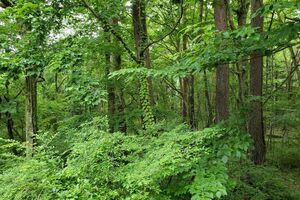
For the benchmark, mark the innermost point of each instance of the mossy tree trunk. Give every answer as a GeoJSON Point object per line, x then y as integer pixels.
{"type": "Point", "coordinates": [30, 113]}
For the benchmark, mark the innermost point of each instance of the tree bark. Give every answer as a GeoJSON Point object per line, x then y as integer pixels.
{"type": "Point", "coordinates": [191, 107]}
{"type": "Point", "coordinates": [147, 58]}
{"type": "Point", "coordinates": [241, 65]}
{"type": "Point", "coordinates": [30, 113]}
{"type": "Point", "coordinates": [205, 79]}
{"type": "Point", "coordinates": [295, 62]}
{"type": "Point", "coordinates": [187, 89]}
{"type": "Point", "coordinates": [256, 126]}
{"type": "Point", "coordinates": [222, 71]}
{"type": "Point", "coordinates": [142, 59]}
{"type": "Point", "coordinates": [185, 85]}
{"type": "Point", "coordinates": [111, 96]}
{"type": "Point", "coordinates": [208, 103]}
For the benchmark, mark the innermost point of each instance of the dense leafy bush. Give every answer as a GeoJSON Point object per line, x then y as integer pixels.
{"type": "Point", "coordinates": [177, 164]}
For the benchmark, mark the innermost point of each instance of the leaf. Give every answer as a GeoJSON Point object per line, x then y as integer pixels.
{"type": "Point", "coordinates": [8, 107]}
{"type": "Point", "coordinates": [225, 159]}
{"type": "Point", "coordinates": [218, 194]}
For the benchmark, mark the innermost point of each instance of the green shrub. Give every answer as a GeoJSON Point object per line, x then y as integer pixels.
{"type": "Point", "coordinates": [175, 164]}
{"type": "Point", "coordinates": [29, 179]}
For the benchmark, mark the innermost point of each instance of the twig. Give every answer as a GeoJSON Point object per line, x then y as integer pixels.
{"type": "Point", "coordinates": [282, 83]}
{"type": "Point", "coordinates": [19, 93]}
{"type": "Point", "coordinates": [172, 86]}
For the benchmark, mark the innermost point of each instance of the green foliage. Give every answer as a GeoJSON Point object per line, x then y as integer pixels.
{"type": "Point", "coordinates": [98, 164]}
{"type": "Point", "coordinates": [285, 153]}
{"type": "Point", "coordinates": [260, 183]}
{"type": "Point", "coordinates": [66, 47]}
{"type": "Point", "coordinates": [33, 177]}
{"type": "Point", "coordinates": [148, 118]}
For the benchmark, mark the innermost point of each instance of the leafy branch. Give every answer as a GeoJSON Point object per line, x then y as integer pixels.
{"type": "Point", "coordinates": [169, 33]}
{"type": "Point", "coordinates": [108, 27]}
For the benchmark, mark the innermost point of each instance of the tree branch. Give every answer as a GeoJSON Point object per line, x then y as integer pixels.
{"type": "Point", "coordinates": [173, 87]}
{"type": "Point", "coordinates": [5, 3]}
{"type": "Point", "coordinates": [110, 29]}
{"type": "Point", "coordinates": [169, 33]}
{"type": "Point", "coordinates": [291, 73]}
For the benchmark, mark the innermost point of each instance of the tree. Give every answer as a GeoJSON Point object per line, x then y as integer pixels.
{"type": "Point", "coordinates": [143, 59]}
{"type": "Point", "coordinates": [222, 71]}
{"type": "Point", "coordinates": [256, 127]}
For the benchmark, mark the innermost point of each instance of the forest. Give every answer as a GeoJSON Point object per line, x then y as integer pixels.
{"type": "Point", "coordinates": [149, 99]}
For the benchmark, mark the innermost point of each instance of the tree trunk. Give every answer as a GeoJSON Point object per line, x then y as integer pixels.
{"type": "Point", "coordinates": [10, 126]}
{"type": "Point", "coordinates": [30, 113]}
{"type": "Point", "coordinates": [201, 11]}
{"type": "Point", "coordinates": [295, 62]}
{"type": "Point", "coordinates": [184, 90]}
{"type": "Point", "coordinates": [111, 95]}
{"type": "Point", "coordinates": [241, 65]}
{"type": "Point", "coordinates": [121, 108]}
{"type": "Point", "coordinates": [110, 87]}
{"type": "Point", "coordinates": [185, 85]}
{"type": "Point", "coordinates": [222, 71]}
{"type": "Point", "coordinates": [256, 127]}
{"type": "Point", "coordinates": [147, 58]}
{"type": "Point", "coordinates": [208, 103]}
{"type": "Point", "coordinates": [205, 79]}
{"type": "Point", "coordinates": [188, 108]}
{"type": "Point", "coordinates": [191, 103]}
{"type": "Point", "coordinates": [142, 60]}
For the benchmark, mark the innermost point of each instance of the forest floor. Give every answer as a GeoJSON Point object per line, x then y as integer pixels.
{"type": "Point", "coordinates": [285, 156]}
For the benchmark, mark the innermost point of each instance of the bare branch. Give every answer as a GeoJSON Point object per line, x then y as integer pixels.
{"type": "Point", "coordinates": [172, 87]}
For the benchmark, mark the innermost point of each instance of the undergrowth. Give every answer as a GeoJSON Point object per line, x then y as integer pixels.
{"type": "Point", "coordinates": [165, 164]}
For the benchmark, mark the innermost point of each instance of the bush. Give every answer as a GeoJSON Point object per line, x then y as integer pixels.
{"type": "Point", "coordinates": [176, 164]}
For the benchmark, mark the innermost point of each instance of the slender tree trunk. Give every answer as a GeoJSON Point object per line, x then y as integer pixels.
{"type": "Point", "coordinates": [122, 106]}
{"type": "Point", "coordinates": [222, 71]}
{"type": "Point", "coordinates": [289, 71]}
{"type": "Point", "coordinates": [205, 79]}
{"type": "Point", "coordinates": [10, 126]}
{"type": "Point", "coordinates": [201, 11]}
{"type": "Point", "coordinates": [110, 88]}
{"type": "Point", "coordinates": [256, 127]}
{"type": "Point", "coordinates": [116, 65]}
{"type": "Point", "coordinates": [30, 113]}
{"type": "Point", "coordinates": [294, 64]}
{"type": "Point", "coordinates": [56, 82]}
{"type": "Point", "coordinates": [208, 103]}
{"type": "Point", "coordinates": [188, 100]}
{"type": "Point", "coordinates": [10, 129]}
{"type": "Point", "coordinates": [185, 86]}
{"type": "Point", "coordinates": [191, 111]}
{"type": "Point", "coordinates": [111, 96]}
{"type": "Point", "coordinates": [184, 108]}
{"type": "Point", "coordinates": [241, 65]}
